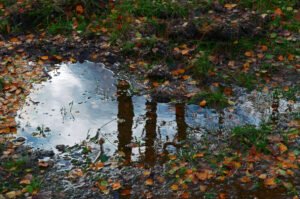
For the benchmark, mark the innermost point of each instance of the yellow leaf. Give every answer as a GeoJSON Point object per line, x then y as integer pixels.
{"type": "Point", "coordinates": [262, 176]}
{"type": "Point", "coordinates": [146, 173]}
{"type": "Point", "coordinates": [229, 6]}
{"type": "Point", "coordinates": [198, 155]}
{"type": "Point", "coordinates": [174, 187]}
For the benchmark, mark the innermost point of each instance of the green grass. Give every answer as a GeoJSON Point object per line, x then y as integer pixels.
{"type": "Point", "coordinates": [1, 84]}
{"type": "Point", "coordinates": [248, 136]}
{"type": "Point", "coordinates": [265, 5]}
{"type": "Point", "coordinates": [213, 99]}
{"type": "Point", "coordinates": [15, 164]}
{"type": "Point", "coordinates": [246, 80]}
{"type": "Point", "coordinates": [158, 8]}
{"type": "Point", "coordinates": [203, 66]}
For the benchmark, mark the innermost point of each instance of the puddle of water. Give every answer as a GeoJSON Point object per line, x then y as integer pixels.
{"type": "Point", "coordinates": [83, 99]}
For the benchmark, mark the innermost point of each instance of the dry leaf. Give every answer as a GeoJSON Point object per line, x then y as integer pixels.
{"type": "Point", "coordinates": [116, 185]}
{"type": "Point", "coordinates": [203, 103]}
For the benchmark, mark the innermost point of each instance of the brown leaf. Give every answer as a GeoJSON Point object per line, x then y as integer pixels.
{"type": "Point", "coordinates": [126, 192]}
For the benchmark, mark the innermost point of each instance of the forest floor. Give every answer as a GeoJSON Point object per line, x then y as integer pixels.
{"type": "Point", "coordinates": [197, 52]}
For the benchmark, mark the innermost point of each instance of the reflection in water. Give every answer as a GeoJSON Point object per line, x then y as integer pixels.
{"type": "Point", "coordinates": [81, 98]}
{"type": "Point", "coordinates": [180, 120]}
{"type": "Point", "coordinates": [150, 156]}
{"type": "Point", "coordinates": [125, 116]}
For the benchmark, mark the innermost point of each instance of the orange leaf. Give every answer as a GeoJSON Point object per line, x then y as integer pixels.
{"type": "Point", "coordinates": [155, 84]}
{"type": "Point", "coordinates": [149, 182]}
{"type": "Point", "coordinates": [185, 195]}
{"type": "Point", "coordinates": [14, 40]}
{"type": "Point", "coordinates": [282, 148]}
{"type": "Point", "coordinates": [116, 186]}
{"type": "Point", "coordinates": [172, 157]}
{"type": "Point", "coordinates": [249, 54]}
{"type": "Point", "coordinates": [245, 179]}
{"type": "Point", "coordinates": [270, 182]}
{"type": "Point", "coordinates": [185, 51]}
{"type": "Point", "coordinates": [44, 58]}
{"type": "Point", "coordinates": [79, 9]}
{"type": "Point", "coordinates": [278, 12]}
{"type": "Point", "coordinates": [264, 48]}
{"type": "Point", "coordinates": [280, 58]}
{"type": "Point", "coordinates": [203, 103]}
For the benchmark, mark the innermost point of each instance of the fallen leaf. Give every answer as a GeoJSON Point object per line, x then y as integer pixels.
{"type": "Point", "coordinates": [126, 192]}
{"type": "Point", "coordinates": [278, 12]}
{"type": "Point", "coordinates": [230, 6]}
{"type": "Point", "coordinates": [185, 195]}
{"type": "Point", "coordinates": [79, 9]}
{"type": "Point", "coordinates": [282, 147]}
{"type": "Point", "coordinates": [44, 58]}
{"type": "Point", "coordinates": [203, 103]}
{"type": "Point", "coordinates": [270, 182]}
{"type": "Point", "coordinates": [116, 185]}
{"type": "Point", "coordinates": [245, 179]}
{"type": "Point", "coordinates": [149, 182]}
{"type": "Point", "coordinates": [174, 187]}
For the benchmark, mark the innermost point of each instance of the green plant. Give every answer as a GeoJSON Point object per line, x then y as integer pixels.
{"type": "Point", "coordinates": [246, 80]}
{"type": "Point", "coordinates": [1, 84]}
{"type": "Point", "coordinates": [60, 26]}
{"type": "Point", "coordinates": [202, 66]}
{"type": "Point", "coordinates": [248, 136]}
{"type": "Point", "coordinates": [215, 99]}
{"type": "Point", "coordinates": [34, 185]}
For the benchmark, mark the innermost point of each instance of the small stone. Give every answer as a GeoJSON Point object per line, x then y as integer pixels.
{"type": "Point", "coordinates": [20, 139]}
{"type": "Point", "coordinates": [61, 147]}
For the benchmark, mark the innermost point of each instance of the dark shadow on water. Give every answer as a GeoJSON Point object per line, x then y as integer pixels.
{"type": "Point", "coordinates": [150, 154]}
{"type": "Point", "coordinates": [180, 120]}
{"type": "Point", "coordinates": [125, 117]}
